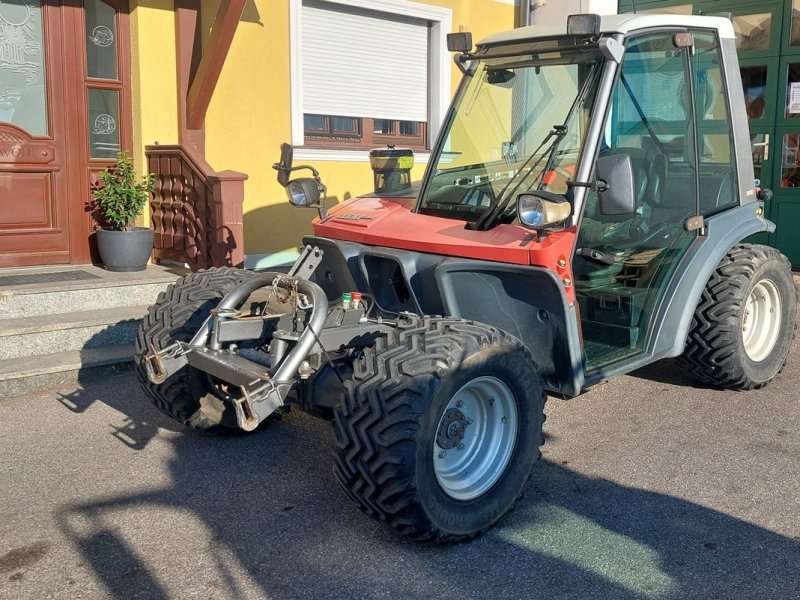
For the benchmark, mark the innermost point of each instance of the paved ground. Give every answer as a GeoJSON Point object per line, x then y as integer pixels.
{"type": "Point", "coordinates": [649, 488]}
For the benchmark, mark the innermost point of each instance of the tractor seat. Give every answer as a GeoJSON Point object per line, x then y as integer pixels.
{"type": "Point", "coordinates": [620, 235]}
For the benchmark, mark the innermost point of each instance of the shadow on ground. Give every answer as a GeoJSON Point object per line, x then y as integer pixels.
{"type": "Point", "coordinates": [274, 512]}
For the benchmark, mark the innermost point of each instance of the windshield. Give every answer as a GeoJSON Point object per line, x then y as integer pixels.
{"type": "Point", "coordinates": [517, 125]}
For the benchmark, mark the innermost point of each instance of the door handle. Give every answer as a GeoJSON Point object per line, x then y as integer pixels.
{"type": "Point", "coordinates": [765, 145]}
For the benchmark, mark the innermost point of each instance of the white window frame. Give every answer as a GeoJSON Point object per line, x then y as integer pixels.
{"type": "Point", "coordinates": [439, 88]}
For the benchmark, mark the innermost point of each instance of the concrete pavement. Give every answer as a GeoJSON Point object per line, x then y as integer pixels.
{"type": "Point", "coordinates": [649, 487]}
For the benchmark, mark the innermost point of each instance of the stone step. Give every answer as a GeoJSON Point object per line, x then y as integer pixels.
{"type": "Point", "coordinates": [23, 375]}
{"type": "Point", "coordinates": [104, 290]}
{"type": "Point", "coordinates": [42, 334]}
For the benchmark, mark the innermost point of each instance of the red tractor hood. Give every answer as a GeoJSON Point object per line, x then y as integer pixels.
{"type": "Point", "coordinates": [390, 222]}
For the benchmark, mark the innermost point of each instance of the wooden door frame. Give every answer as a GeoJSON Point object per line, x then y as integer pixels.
{"type": "Point", "coordinates": [83, 169]}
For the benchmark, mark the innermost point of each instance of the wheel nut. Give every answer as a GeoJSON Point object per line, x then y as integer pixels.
{"type": "Point", "coordinates": [505, 420]}
{"type": "Point", "coordinates": [442, 454]}
{"type": "Point", "coordinates": [460, 447]}
{"type": "Point", "coordinates": [460, 403]}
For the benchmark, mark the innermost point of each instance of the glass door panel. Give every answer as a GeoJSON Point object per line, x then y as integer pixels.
{"type": "Point", "coordinates": [793, 30]}
{"type": "Point", "coordinates": [23, 99]}
{"type": "Point", "coordinates": [788, 92]}
{"type": "Point", "coordinates": [759, 80]}
{"type": "Point", "coordinates": [757, 26]}
{"type": "Point", "coordinates": [102, 63]}
{"type": "Point", "coordinates": [655, 130]}
{"type": "Point", "coordinates": [101, 43]}
{"type": "Point", "coordinates": [103, 123]}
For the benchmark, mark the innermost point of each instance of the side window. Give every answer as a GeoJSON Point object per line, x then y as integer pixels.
{"type": "Point", "coordinates": [651, 120]}
{"type": "Point", "coordinates": [717, 170]}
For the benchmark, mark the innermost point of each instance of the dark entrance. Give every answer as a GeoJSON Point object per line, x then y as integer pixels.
{"type": "Point", "coordinates": [768, 43]}
{"type": "Point", "coordinates": [64, 113]}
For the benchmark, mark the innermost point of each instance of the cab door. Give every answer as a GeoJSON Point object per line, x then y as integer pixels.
{"type": "Point", "coordinates": [670, 116]}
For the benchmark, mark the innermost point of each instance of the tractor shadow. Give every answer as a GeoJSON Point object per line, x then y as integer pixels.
{"type": "Point", "coordinates": [667, 371]}
{"type": "Point", "coordinates": [277, 525]}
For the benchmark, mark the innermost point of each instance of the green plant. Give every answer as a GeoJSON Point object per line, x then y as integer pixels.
{"type": "Point", "coordinates": [119, 197]}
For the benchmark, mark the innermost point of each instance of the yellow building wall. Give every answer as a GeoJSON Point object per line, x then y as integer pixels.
{"type": "Point", "coordinates": [250, 115]}
{"type": "Point", "coordinates": [154, 83]}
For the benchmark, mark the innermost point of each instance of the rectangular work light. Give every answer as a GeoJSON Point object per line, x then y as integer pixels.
{"type": "Point", "coordinates": [588, 24]}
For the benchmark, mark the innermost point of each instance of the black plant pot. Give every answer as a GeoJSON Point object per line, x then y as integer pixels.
{"type": "Point", "coordinates": [125, 250]}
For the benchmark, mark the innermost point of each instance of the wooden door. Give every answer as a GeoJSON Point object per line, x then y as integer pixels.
{"type": "Point", "coordinates": [34, 174]}
{"type": "Point", "coordinates": [101, 90]}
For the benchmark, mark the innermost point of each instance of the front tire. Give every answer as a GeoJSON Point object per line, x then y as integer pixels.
{"type": "Point", "coordinates": [188, 396]}
{"type": "Point", "coordinates": [745, 321]}
{"type": "Point", "coordinates": [440, 427]}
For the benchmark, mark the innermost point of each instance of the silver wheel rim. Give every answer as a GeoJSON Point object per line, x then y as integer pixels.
{"type": "Point", "coordinates": [761, 322]}
{"type": "Point", "coordinates": [475, 438]}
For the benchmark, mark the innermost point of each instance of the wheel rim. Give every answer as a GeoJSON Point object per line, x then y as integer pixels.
{"type": "Point", "coordinates": [761, 322]}
{"type": "Point", "coordinates": [475, 438]}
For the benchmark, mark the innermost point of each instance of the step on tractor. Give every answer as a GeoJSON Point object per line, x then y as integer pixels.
{"type": "Point", "coordinates": [588, 208]}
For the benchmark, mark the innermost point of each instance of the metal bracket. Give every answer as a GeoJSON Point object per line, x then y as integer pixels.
{"type": "Point", "coordinates": [306, 263]}
{"type": "Point", "coordinates": [257, 403]}
{"type": "Point", "coordinates": [612, 49]}
{"type": "Point", "coordinates": [162, 364]}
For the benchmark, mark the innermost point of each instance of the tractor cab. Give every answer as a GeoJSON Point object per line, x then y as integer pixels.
{"type": "Point", "coordinates": [599, 153]}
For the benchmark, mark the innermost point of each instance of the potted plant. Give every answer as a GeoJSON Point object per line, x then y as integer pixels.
{"type": "Point", "coordinates": [119, 197]}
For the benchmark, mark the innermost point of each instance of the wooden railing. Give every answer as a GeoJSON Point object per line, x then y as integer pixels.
{"type": "Point", "coordinates": [196, 212]}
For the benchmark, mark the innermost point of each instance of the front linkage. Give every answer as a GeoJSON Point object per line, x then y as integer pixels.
{"type": "Point", "coordinates": [304, 330]}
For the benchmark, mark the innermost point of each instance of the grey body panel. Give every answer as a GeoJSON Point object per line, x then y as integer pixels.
{"type": "Point", "coordinates": [526, 301]}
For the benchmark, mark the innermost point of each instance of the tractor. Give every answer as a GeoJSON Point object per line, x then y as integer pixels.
{"type": "Point", "coordinates": [588, 208]}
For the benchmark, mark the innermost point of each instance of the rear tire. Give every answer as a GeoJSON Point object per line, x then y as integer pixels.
{"type": "Point", "coordinates": [433, 385]}
{"type": "Point", "coordinates": [745, 321]}
{"type": "Point", "coordinates": [188, 396]}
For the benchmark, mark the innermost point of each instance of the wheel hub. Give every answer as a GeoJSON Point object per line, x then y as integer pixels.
{"type": "Point", "coordinates": [451, 429]}
{"type": "Point", "coordinates": [761, 321]}
{"type": "Point", "coordinates": [475, 438]}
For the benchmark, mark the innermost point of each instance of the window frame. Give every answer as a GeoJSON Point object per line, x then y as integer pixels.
{"type": "Point", "coordinates": [440, 20]}
{"type": "Point", "coordinates": [364, 136]}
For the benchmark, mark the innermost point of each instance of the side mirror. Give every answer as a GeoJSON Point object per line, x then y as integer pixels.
{"type": "Point", "coordinates": [284, 167]}
{"type": "Point", "coordinates": [615, 186]}
{"type": "Point", "coordinates": [303, 192]}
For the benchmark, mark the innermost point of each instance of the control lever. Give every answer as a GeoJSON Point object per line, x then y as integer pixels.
{"type": "Point", "coordinates": [597, 256]}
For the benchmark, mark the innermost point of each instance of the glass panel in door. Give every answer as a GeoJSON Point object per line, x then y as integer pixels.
{"type": "Point", "coordinates": [23, 99]}
{"type": "Point", "coordinates": [757, 26]}
{"type": "Point", "coordinates": [104, 140]}
{"type": "Point", "coordinates": [101, 43]}
{"type": "Point", "coordinates": [652, 123]}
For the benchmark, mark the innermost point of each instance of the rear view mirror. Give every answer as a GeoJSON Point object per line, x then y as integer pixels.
{"type": "Point", "coordinates": [615, 186]}
{"type": "Point", "coordinates": [284, 167]}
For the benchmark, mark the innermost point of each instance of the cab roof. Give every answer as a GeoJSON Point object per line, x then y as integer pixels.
{"type": "Point", "coordinates": [610, 24]}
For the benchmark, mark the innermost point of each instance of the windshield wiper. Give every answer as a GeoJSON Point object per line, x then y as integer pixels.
{"type": "Point", "coordinates": [498, 206]}
{"type": "Point", "coordinates": [501, 200]}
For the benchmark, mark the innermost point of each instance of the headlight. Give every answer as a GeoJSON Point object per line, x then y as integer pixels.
{"type": "Point", "coordinates": [535, 212]}
{"type": "Point", "coordinates": [303, 192]}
